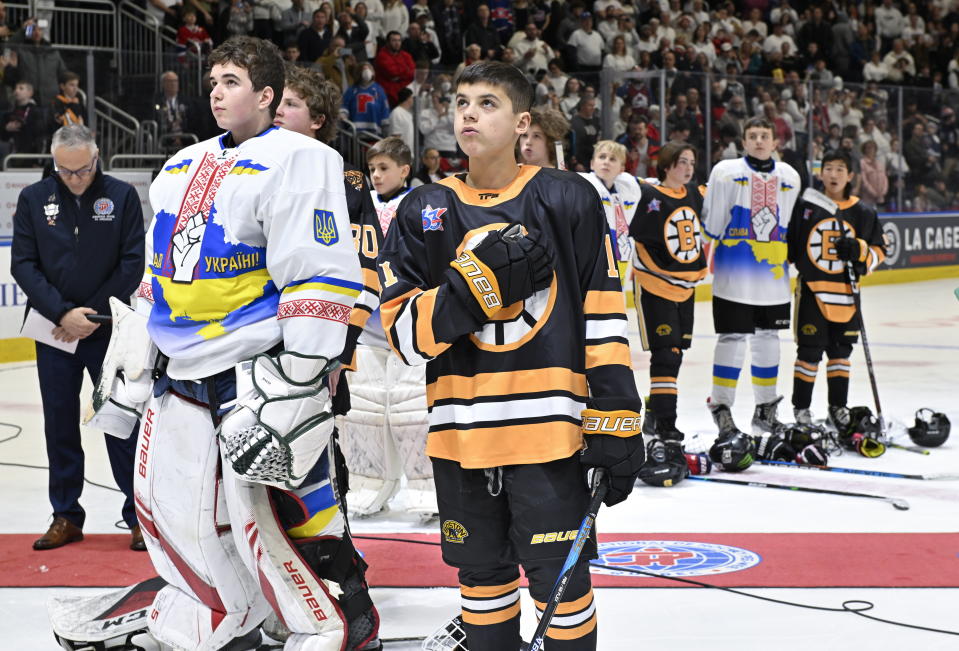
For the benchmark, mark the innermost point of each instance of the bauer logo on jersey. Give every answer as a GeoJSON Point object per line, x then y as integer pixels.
{"type": "Point", "coordinates": [324, 228]}
{"type": "Point", "coordinates": [672, 558]}
{"type": "Point", "coordinates": [432, 218]}
{"type": "Point", "coordinates": [454, 532]}
{"type": "Point", "coordinates": [553, 536]}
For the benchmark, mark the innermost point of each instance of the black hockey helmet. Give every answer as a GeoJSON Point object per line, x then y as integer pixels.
{"type": "Point", "coordinates": [931, 429]}
{"type": "Point", "coordinates": [863, 421]}
{"type": "Point", "coordinates": [734, 452]}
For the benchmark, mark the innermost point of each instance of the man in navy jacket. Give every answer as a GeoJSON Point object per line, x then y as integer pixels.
{"type": "Point", "coordinates": [78, 239]}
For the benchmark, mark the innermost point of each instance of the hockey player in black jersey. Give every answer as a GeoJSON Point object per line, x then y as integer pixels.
{"type": "Point", "coordinates": [823, 246]}
{"type": "Point", "coordinates": [668, 263]}
{"type": "Point", "coordinates": [503, 282]}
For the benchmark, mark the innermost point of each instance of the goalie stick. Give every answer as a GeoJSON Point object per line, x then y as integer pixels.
{"type": "Point", "coordinates": [899, 503]}
{"type": "Point", "coordinates": [857, 471]}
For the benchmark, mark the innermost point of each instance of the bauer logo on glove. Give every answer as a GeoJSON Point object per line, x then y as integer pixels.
{"type": "Point", "coordinates": [283, 418]}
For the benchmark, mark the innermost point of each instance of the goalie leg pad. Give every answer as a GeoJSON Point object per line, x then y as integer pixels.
{"type": "Point", "coordinates": [211, 597]}
{"type": "Point", "coordinates": [374, 463]}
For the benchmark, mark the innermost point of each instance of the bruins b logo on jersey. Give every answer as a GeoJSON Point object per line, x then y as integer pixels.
{"type": "Point", "coordinates": [682, 235]}
{"type": "Point", "coordinates": [821, 246]}
{"type": "Point", "coordinates": [808, 329]}
{"type": "Point", "coordinates": [513, 325]}
{"type": "Point", "coordinates": [664, 329]}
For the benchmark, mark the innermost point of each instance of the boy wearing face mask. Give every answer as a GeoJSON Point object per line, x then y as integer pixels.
{"type": "Point", "coordinates": [366, 102]}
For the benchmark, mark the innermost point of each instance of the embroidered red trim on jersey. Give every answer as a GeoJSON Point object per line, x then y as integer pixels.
{"type": "Point", "coordinates": [145, 290]}
{"type": "Point", "coordinates": [764, 194]}
{"type": "Point", "coordinates": [315, 308]}
{"type": "Point", "coordinates": [203, 186]}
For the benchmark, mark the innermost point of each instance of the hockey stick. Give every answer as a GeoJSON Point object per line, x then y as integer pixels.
{"type": "Point", "coordinates": [900, 504]}
{"type": "Point", "coordinates": [600, 486]}
{"type": "Point", "coordinates": [856, 471]}
{"type": "Point", "coordinates": [907, 448]}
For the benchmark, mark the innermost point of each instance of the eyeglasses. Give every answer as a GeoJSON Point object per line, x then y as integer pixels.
{"type": "Point", "coordinates": [80, 173]}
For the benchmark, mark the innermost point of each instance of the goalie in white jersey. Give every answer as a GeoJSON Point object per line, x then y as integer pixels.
{"type": "Point", "coordinates": [746, 213]}
{"type": "Point", "coordinates": [251, 279]}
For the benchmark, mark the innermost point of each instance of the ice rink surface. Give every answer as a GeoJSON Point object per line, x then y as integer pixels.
{"type": "Point", "coordinates": [914, 332]}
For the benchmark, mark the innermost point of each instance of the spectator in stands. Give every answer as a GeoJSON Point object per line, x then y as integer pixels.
{"type": "Point", "coordinates": [394, 66]}
{"type": "Point", "coordinates": [900, 66]}
{"type": "Point", "coordinates": [315, 40]}
{"type": "Point", "coordinates": [5, 31]}
{"type": "Point", "coordinates": [555, 76]}
{"type": "Point", "coordinates": [584, 132]}
{"type": "Point", "coordinates": [365, 102]}
{"type": "Point", "coordinates": [23, 124]}
{"type": "Point", "coordinates": [172, 111]}
{"type": "Point", "coordinates": [166, 12]}
{"type": "Point", "coordinates": [619, 58]}
{"type": "Point", "coordinates": [338, 63]}
{"type": "Point", "coordinates": [533, 52]}
{"type": "Point", "coordinates": [421, 8]}
{"type": "Point", "coordinates": [571, 96]}
{"type": "Point", "coordinates": [396, 17]}
{"type": "Point", "coordinates": [239, 18]}
{"type": "Point", "coordinates": [354, 31]}
{"type": "Point", "coordinates": [876, 69]}
{"type": "Point", "coordinates": [67, 108]}
{"type": "Point", "coordinates": [587, 45]}
{"type": "Point", "coordinates": [401, 117]}
{"type": "Point", "coordinates": [37, 61]}
{"type": "Point", "coordinates": [429, 171]}
{"type": "Point", "coordinates": [483, 33]}
{"type": "Point", "coordinates": [449, 26]}
{"type": "Point", "coordinates": [873, 184]}
{"type": "Point", "coordinates": [569, 24]}
{"type": "Point", "coordinates": [420, 44]}
{"type": "Point", "coordinates": [474, 53]}
{"type": "Point", "coordinates": [191, 37]}
{"type": "Point", "coordinates": [889, 24]}
{"type": "Point", "coordinates": [436, 123]}
{"type": "Point", "coordinates": [294, 20]}
{"type": "Point", "coordinates": [373, 33]}
{"type": "Point", "coordinates": [639, 149]}
{"type": "Point", "coordinates": [922, 163]}
{"type": "Point", "coordinates": [735, 115]}
{"type": "Point", "coordinates": [291, 53]}
{"type": "Point", "coordinates": [538, 145]}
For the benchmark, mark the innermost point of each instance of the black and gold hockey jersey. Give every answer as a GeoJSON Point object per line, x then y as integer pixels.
{"type": "Point", "coordinates": [811, 241]}
{"type": "Point", "coordinates": [511, 390]}
{"type": "Point", "coordinates": [368, 240]}
{"type": "Point", "coordinates": [669, 260]}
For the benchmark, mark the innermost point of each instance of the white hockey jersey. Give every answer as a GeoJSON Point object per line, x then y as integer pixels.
{"type": "Point", "coordinates": [747, 215]}
{"type": "Point", "coordinates": [250, 246]}
{"type": "Point", "coordinates": [620, 206]}
{"type": "Point", "coordinates": [373, 334]}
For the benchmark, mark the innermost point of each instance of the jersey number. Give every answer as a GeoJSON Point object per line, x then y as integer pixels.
{"type": "Point", "coordinates": [388, 278]}
{"type": "Point", "coordinates": [364, 239]}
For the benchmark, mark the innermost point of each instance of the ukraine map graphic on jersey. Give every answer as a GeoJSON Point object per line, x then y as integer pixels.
{"type": "Point", "coordinates": [236, 287]}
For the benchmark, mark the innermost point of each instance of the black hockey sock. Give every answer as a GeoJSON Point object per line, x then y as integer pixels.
{"type": "Point", "coordinates": [663, 371]}
{"type": "Point", "coordinates": [804, 375]}
{"type": "Point", "coordinates": [490, 627]}
{"type": "Point", "coordinates": [837, 379]}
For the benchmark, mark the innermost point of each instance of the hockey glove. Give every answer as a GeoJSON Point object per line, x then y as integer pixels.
{"type": "Point", "coordinates": [613, 441]}
{"type": "Point", "coordinates": [850, 249]}
{"type": "Point", "coordinates": [283, 418]}
{"type": "Point", "coordinates": [125, 380]}
{"type": "Point", "coordinates": [505, 267]}
{"type": "Point", "coordinates": [698, 463]}
{"type": "Point", "coordinates": [773, 447]}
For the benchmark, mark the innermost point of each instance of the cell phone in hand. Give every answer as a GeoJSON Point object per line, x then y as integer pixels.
{"type": "Point", "coordinates": [99, 318]}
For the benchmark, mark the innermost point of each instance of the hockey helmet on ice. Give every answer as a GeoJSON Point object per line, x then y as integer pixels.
{"type": "Point", "coordinates": [931, 429]}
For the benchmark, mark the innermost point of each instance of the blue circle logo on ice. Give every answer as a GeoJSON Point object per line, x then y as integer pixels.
{"type": "Point", "coordinates": [672, 558]}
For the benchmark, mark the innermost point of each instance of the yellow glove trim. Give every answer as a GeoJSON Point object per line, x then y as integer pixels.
{"type": "Point", "coordinates": [481, 281]}
{"type": "Point", "coordinates": [622, 422]}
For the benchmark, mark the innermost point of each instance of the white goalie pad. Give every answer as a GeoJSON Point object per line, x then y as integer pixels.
{"type": "Point", "coordinates": [125, 378]}
{"type": "Point", "coordinates": [283, 418]}
{"type": "Point", "coordinates": [115, 619]}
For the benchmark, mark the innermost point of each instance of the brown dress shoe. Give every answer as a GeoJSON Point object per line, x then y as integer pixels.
{"type": "Point", "coordinates": [60, 533]}
{"type": "Point", "coordinates": [136, 539]}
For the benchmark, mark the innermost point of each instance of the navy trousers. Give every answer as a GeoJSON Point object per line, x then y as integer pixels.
{"type": "Point", "coordinates": [61, 378]}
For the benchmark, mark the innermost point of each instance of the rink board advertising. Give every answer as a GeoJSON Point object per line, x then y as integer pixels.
{"type": "Point", "coordinates": [920, 239]}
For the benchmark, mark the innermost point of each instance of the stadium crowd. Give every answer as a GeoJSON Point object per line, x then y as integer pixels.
{"type": "Point", "coordinates": [826, 74]}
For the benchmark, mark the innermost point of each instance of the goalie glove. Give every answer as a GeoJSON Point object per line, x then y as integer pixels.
{"type": "Point", "coordinates": [283, 418]}
{"type": "Point", "coordinates": [125, 380]}
{"type": "Point", "coordinates": [613, 441]}
{"type": "Point", "coordinates": [504, 268]}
